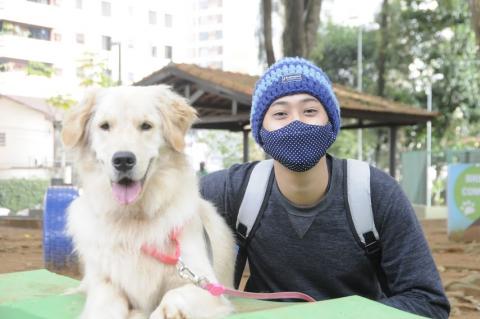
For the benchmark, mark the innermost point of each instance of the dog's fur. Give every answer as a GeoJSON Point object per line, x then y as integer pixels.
{"type": "Point", "coordinates": [120, 280]}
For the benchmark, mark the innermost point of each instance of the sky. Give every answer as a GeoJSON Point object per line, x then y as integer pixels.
{"type": "Point", "coordinates": [350, 12]}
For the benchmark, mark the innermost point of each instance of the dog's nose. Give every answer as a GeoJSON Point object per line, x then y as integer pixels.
{"type": "Point", "coordinates": [124, 161]}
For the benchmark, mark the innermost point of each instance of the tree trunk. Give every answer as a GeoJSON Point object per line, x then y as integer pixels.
{"type": "Point", "coordinates": [312, 21]}
{"type": "Point", "coordinates": [381, 61]}
{"type": "Point", "coordinates": [475, 8]}
{"type": "Point", "coordinates": [267, 30]}
{"type": "Point", "coordinates": [293, 33]}
{"type": "Point", "coordinates": [382, 49]}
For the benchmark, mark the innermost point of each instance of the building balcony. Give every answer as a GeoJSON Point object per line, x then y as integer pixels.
{"type": "Point", "coordinates": [28, 49]}
{"type": "Point", "coordinates": [32, 13]}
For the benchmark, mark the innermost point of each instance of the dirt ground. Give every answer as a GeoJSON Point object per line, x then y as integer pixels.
{"type": "Point", "coordinates": [459, 264]}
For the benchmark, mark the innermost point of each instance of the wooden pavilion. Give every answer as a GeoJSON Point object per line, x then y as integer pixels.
{"type": "Point", "coordinates": [223, 99]}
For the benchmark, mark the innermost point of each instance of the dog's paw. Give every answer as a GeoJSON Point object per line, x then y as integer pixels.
{"type": "Point", "coordinates": [191, 302]}
{"type": "Point", "coordinates": [173, 306]}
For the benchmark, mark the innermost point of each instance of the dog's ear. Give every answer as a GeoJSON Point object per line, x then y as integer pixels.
{"type": "Point", "coordinates": [178, 117]}
{"type": "Point", "coordinates": [75, 121]}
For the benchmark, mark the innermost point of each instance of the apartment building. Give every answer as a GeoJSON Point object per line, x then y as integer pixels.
{"type": "Point", "coordinates": [51, 37]}
{"type": "Point", "coordinates": [225, 35]}
{"type": "Point", "coordinates": [43, 44]}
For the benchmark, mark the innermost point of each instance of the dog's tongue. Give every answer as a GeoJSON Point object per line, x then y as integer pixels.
{"type": "Point", "coordinates": [126, 194]}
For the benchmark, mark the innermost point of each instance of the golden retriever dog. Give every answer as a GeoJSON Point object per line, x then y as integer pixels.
{"type": "Point", "coordinates": [137, 190]}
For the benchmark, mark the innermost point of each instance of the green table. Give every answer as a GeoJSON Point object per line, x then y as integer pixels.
{"type": "Point", "coordinates": [39, 294]}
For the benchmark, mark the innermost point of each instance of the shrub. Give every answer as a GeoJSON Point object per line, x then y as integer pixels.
{"type": "Point", "coordinates": [17, 194]}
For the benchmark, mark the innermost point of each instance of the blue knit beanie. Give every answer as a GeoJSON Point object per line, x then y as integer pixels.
{"type": "Point", "coordinates": [292, 76]}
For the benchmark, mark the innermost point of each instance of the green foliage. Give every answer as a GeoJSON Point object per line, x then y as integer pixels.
{"type": "Point", "coordinates": [40, 69]}
{"type": "Point", "coordinates": [438, 41]}
{"type": "Point", "coordinates": [229, 146]}
{"type": "Point", "coordinates": [18, 194]}
{"type": "Point", "coordinates": [93, 71]}
{"type": "Point", "coordinates": [62, 101]}
{"type": "Point", "coordinates": [336, 54]}
{"type": "Point", "coordinates": [427, 41]}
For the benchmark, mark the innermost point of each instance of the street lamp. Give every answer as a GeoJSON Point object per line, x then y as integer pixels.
{"type": "Point", "coordinates": [359, 87]}
{"type": "Point", "coordinates": [360, 27]}
{"type": "Point", "coordinates": [119, 44]}
{"type": "Point", "coordinates": [432, 79]}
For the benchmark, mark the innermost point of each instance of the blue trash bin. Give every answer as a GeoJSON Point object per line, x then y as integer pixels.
{"type": "Point", "coordinates": [57, 246]}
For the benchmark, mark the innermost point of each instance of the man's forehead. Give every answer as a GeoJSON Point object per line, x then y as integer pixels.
{"type": "Point", "coordinates": [294, 99]}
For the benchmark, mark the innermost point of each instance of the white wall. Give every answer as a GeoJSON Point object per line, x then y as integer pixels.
{"type": "Point", "coordinates": [28, 134]}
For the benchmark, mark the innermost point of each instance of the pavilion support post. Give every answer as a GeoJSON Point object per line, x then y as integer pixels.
{"type": "Point", "coordinates": [186, 92]}
{"type": "Point", "coordinates": [393, 149]}
{"type": "Point", "coordinates": [245, 146]}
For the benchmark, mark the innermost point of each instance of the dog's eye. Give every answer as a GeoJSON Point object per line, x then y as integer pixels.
{"type": "Point", "coordinates": [105, 126]}
{"type": "Point", "coordinates": [145, 126]}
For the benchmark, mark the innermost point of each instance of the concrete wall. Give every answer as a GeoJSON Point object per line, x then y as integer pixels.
{"type": "Point", "coordinates": [28, 137]}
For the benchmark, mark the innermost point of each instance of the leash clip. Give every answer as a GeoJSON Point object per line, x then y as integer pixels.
{"type": "Point", "coordinates": [186, 273]}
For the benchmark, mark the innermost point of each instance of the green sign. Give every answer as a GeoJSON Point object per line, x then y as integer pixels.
{"type": "Point", "coordinates": [467, 192]}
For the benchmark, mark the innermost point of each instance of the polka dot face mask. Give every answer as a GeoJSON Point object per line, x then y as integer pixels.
{"type": "Point", "coordinates": [298, 146]}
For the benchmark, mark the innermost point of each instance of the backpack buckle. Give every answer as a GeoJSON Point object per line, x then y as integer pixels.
{"type": "Point", "coordinates": [242, 232]}
{"type": "Point", "coordinates": [372, 245]}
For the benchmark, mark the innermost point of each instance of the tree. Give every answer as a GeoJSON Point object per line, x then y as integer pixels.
{"type": "Point", "coordinates": [63, 102]}
{"type": "Point", "coordinates": [475, 9]}
{"type": "Point", "coordinates": [229, 145]}
{"type": "Point", "coordinates": [94, 71]}
{"type": "Point", "coordinates": [302, 18]}
{"type": "Point", "coordinates": [336, 54]}
{"type": "Point", "coordinates": [267, 30]}
{"type": "Point", "coordinates": [381, 48]}
{"type": "Point", "coordinates": [39, 69]}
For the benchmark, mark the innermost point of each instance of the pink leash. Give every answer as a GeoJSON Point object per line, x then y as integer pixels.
{"type": "Point", "coordinates": [217, 290]}
{"type": "Point", "coordinates": [214, 288]}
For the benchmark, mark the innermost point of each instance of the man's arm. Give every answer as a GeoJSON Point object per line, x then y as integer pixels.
{"type": "Point", "coordinates": [213, 188]}
{"type": "Point", "coordinates": [406, 259]}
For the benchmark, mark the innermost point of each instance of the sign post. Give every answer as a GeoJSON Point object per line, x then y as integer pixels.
{"type": "Point", "coordinates": [463, 199]}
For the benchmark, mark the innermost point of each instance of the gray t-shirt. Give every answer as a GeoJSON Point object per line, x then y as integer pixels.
{"type": "Point", "coordinates": [313, 249]}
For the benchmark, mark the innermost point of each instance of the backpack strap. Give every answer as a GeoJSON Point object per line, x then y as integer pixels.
{"type": "Point", "coordinates": [253, 197]}
{"type": "Point", "coordinates": [360, 203]}
{"type": "Point", "coordinates": [252, 206]}
{"type": "Point", "coordinates": [360, 213]}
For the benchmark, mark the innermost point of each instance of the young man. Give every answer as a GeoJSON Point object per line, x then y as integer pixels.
{"type": "Point", "coordinates": [304, 241]}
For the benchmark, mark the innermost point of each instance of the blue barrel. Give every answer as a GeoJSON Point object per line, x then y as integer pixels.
{"type": "Point", "coordinates": [57, 246]}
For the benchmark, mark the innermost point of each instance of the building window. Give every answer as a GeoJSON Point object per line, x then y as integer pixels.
{"type": "Point", "coordinates": [106, 42]}
{"type": "Point", "coordinates": [80, 38]}
{"type": "Point", "coordinates": [3, 141]}
{"type": "Point", "coordinates": [106, 9]}
{"type": "Point", "coordinates": [154, 51]}
{"type": "Point", "coordinates": [168, 21]}
{"type": "Point", "coordinates": [218, 34]}
{"type": "Point", "coordinates": [203, 36]}
{"type": "Point", "coordinates": [152, 17]}
{"type": "Point", "coordinates": [40, 1]}
{"type": "Point", "coordinates": [39, 33]}
{"type": "Point", "coordinates": [168, 52]}
{"type": "Point", "coordinates": [79, 4]}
